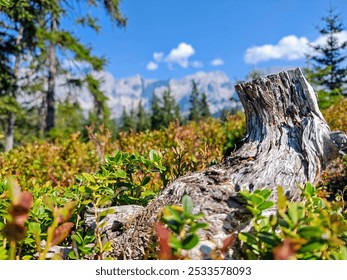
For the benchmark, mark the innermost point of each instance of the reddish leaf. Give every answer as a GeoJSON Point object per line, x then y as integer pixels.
{"type": "Point", "coordinates": [287, 250]}
{"type": "Point", "coordinates": [61, 232]}
{"type": "Point", "coordinates": [22, 204]}
{"type": "Point", "coordinates": [48, 201]}
{"type": "Point", "coordinates": [14, 232]}
{"type": "Point", "coordinates": [227, 243]}
{"type": "Point", "coordinates": [65, 212]}
{"type": "Point", "coordinates": [164, 235]}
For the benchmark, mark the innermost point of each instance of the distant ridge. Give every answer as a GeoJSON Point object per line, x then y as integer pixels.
{"type": "Point", "coordinates": [127, 92]}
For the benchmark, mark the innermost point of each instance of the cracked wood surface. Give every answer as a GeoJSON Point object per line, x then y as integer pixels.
{"type": "Point", "coordinates": [288, 143]}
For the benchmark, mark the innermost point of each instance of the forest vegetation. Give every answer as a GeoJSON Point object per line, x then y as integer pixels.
{"type": "Point", "coordinates": [55, 161]}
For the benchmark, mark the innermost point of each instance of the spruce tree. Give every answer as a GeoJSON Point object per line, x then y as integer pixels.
{"type": "Point", "coordinates": [170, 109]}
{"type": "Point", "coordinates": [198, 105]}
{"type": "Point", "coordinates": [205, 110]}
{"type": "Point", "coordinates": [194, 110]}
{"type": "Point", "coordinates": [164, 111]}
{"type": "Point", "coordinates": [156, 116]}
{"type": "Point", "coordinates": [127, 120]}
{"type": "Point", "coordinates": [142, 121]}
{"type": "Point", "coordinates": [329, 69]}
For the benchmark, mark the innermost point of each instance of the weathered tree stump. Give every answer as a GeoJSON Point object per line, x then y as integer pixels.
{"type": "Point", "coordinates": [288, 143]}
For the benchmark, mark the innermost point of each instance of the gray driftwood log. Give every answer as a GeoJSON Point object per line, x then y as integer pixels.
{"type": "Point", "coordinates": [288, 143]}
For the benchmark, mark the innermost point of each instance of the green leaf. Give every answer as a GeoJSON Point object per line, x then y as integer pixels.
{"type": "Point", "coordinates": [313, 246]}
{"type": "Point", "coordinates": [265, 193]}
{"type": "Point", "coordinates": [310, 232]}
{"type": "Point", "coordinates": [93, 187]}
{"type": "Point", "coordinates": [148, 193]}
{"type": "Point", "coordinates": [89, 177]}
{"type": "Point", "coordinates": [309, 190]}
{"type": "Point", "coordinates": [154, 156]}
{"type": "Point", "coordinates": [248, 238]}
{"type": "Point", "coordinates": [281, 201]}
{"type": "Point", "coordinates": [107, 246]}
{"type": "Point", "coordinates": [265, 205]}
{"type": "Point", "coordinates": [190, 241]}
{"type": "Point", "coordinates": [72, 255]}
{"type": "Point", "coordinates": [120, 173]}
{"type": "Point", "coordinates": [3, 254]}
{"type": "Point", "coordinates": [295, 212]}
{"type": "Point", "coordinates": [174, 214]}
{"type": "Point", "coordinates": [35, 228]}
{"type": "Point", "coordinates": [196, 227]}
{"type": "Point", "coordinates": [188, 205]}
{"type": "Point", "coordinates": [256, 199]}
{"type": "Point", "coordinates": [174, 243]}
{"type": "Point", "coordinates": [145, 181]}
{"type": "Point", "coordinates": [268, 238]}
{"type": "Point", "coordinates": [106, 212]}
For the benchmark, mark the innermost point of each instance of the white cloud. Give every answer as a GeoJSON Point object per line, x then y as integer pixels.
{"type": "Point", "coordinates": [289, 47]}
{"type": "Point", "coordinates": [180, 55]}
{"type": "Point", "coordinates": [152, 66]}
{"type": "Point", "coordinates": [217, 62]}
{"type": "Point", "coordinates": [177, 56]}
{"type": "Point", "coordinates": [158, 56]}
{"type": "Point", "coordinates": [197, 64]}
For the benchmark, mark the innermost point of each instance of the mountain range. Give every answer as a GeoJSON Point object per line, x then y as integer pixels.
{"type": "Point", "coordinates": [127, 92]}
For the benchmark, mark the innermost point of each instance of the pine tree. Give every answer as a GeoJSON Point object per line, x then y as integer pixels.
{"type": "Point", "coordinates": [156, 116]}
{"type": "Point", "coordinates": [194, 110]}
{"type": "Point", "coordinates": [30, 34]}
{"type": "Point", "coordinates": [170, 109]}
{"type": "Point", "coordinates": [198, 105]}
{"type": "Point", "coordinates": [164, 111]}
{"type": "Point", "coordinates": [127, 121]}
{"type": "Point", "coordinates": [329, 68]}
{"type": "Point", "coordinates": [205, 110]}
{"type": "Point", "coordinates": [143, 121]}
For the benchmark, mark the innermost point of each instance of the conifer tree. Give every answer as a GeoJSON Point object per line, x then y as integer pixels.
{"type": "Point", "coordinates": [329, 67]}
{"type": "Point", "coordinates": [156, 116]}
{"type": "Point", "coordinates": [194, 113]}
{"type": "Point", "coordinates": [143, 121]}
{"type": "Point", "coordinates": [205, 109]}
{"type": "Point", "coordinates": [128, 120]}
{"type": "Point", "coordinates": [164, 111]}
{"type": "Point", "coordinates": [198, 105]}
{"type": "Point", "coordinates": [170, 109]}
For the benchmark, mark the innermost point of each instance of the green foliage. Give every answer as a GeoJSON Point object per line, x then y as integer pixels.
{"type": "Point", "coordinates": [5, 3]}
{"type": "Point", "coordinates": [69, 119]}
{"type": "Point", "coordinates": [328, 69]}
{"type": "Point", "coordinates": [77, 175]}
{"type": "Point", "coordinates": [143, 121]}
{"type": "Point", "coordinates": [198, 105]}
{"type": "Point", "coordinates": [336, 115]}
{"type": "Point", "coordinates": [165, 110]}
{"type": "Point", "coordinates": [183, 225]}
{"type": "Point", "coordinates": [44, 164]}
{"type": "Point", "coordinates": [312, 229]}
{"type": "Point", "coordinates": [128, 121]}
{"type": "Point", "coordinates": [122, 179]}
{"type": "Point", "coordinates": [21, 231]}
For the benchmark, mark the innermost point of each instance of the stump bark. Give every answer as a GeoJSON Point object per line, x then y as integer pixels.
{"type": "Point", "coordinates": [288, 143]}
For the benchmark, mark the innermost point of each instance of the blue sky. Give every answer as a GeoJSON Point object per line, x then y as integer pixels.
{"type": "Point", "coordinates": [173, 38]}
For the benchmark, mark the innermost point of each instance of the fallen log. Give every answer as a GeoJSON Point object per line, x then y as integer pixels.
{"type": "Point", "coordinates": [288, 143]}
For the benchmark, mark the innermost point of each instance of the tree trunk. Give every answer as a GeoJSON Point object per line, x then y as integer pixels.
{"type": "Point", "coordinates": [9, 137]}
{"type": "Point", "coordinates": [52, 71]}
{"type": "Point", "coordinates": [11, 120]}
{"type": "Point", "coordinates": [288, 143]}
